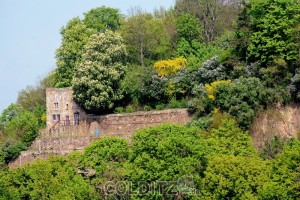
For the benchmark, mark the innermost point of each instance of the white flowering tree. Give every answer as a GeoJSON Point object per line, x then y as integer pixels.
{"type": "Point", "coordinates": [96, 82]}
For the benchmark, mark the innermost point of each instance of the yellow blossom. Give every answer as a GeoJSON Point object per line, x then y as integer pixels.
{"type": "Point", "coordinates": [168, 67]}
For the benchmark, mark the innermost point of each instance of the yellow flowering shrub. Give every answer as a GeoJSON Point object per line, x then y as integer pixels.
{"type": "Point", "coordinates": [168, 67]}
{"type": "Point", "coordinates": [211, 88]}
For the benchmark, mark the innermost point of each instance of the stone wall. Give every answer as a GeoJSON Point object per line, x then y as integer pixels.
{"type": "Point", "coordinates": [43, 147]}
{"type": "Point", "coordinates": [65, 139]}
{"type": "Point", "coordinates": [119, 123]}
{"type": "Point", "coordinates": [125, 124]}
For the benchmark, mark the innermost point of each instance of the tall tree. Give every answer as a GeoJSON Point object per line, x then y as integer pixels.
{"type": "Point", "coordinates": [216, 16]}
{"type": "Point", "coordinates": [96, 82]}
{"type": "Point", "coordinates": [102, 18]}
{"type": "Point", "coordinates": [146, 37]}
{"type": "Point", "coordinates": [188, 27]}
{"type": "Point", "coordinates": [74, 37]}
{"type": "Point", "coordinates": [169, 19]}
{"type": "Point", "coordinates": [274, 25]}
{"type": "Point", "coordinates": [76, 34]}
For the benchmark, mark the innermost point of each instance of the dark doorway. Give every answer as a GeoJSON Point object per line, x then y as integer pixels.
{"type": "Point", "coordinates": [76, 118]}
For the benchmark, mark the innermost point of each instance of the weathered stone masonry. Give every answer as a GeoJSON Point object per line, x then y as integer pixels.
{"type": "Point", "coordinates": [75, 129]}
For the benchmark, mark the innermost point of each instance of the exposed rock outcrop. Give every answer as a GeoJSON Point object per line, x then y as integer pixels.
{"type": "Point", "coordinates": [284, 122]}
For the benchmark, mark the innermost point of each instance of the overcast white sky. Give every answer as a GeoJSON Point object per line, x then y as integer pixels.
{"type": "Point", "coordinates": [30, 35]}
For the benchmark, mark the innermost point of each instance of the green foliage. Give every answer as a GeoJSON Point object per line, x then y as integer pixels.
{"type": "Point", "coordinates": [119, 110]}
{"type": "Point", "coordinates": [234, 177]}
{"type": "Point", "coordinates": [51, 179]}
{"type": "Point", "coordinates": [10, 151]}
{"type": "Point", "coordinates": [74, 36]}
{"type": "Point", "coordinates": [172, 104]}
{"type": "Point", "coordinates": [166, 153]}
{"type": "Point", "coordinates": [33, 98]}
{"type": "Point", "coordinates": [222, 165]}
{"type": "Point", "coordinates": [211, 121]}
{"type": "Point", "coordinates": [154, 90]}
{"type": "Point", "coordinates": [19, 124]}
{"type": "Point", "coordinates": [294, 87]}
{"type": "Point", "coordinates": [188, 27]}
{"type": "Point", "coordinates": [96, 82]}
{"type": "Point", "coordinates": [104, 150]}
{"type": "Point", "coordinates": [273, 147]}
{"type": "Point", "coordinates": [267, 38]}
{"type": "Point", "coordinates": [219, 156]}
{"type": "Point", "coordinates": [196, 52]}
{"type": "Point", "coordinates": [202, 122]}
{"type": "Point", "coordinates": [107, 157]}
{"type": "Point", "coordinates": [228, 139]}
{"type": "Point", "coordinates": [19, 128]}
{"type": "Point", "coordinates": [135, 76]}
{"type": "Point", "coordinates": [102, 18]}
{"type": "Point", "coordinates": [285, 174]}
{"type": "Point", "coordinates": [129, 109]}
{"type": "Point", "coordinates": [242, 32]}
{"type": "Point", "coordinates": [146, 38]}
{"type": "Point", "coordinates": [30, 98]}
{"type": "Point", "coordinates": [241, 98]}
{"type": "Point", "coordinates": [274, 25]}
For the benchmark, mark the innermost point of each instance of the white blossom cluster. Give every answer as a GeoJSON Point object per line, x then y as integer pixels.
{"type": "Point", "coordinates": [96, 82]}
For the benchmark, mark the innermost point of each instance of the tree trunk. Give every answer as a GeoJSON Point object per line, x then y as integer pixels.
{"type": "Point", "coordinates": [142, 52]}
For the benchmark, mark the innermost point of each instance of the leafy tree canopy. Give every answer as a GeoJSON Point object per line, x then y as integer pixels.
{"type": "Point", "coordinates": [234, 177]}
{"type": "Point", "coordinates": [270, 29]}
{"type": "Point", "coordinates": [102, 18]}
{"type": "Point", "coordinates": [74, 36]}
{"type": "Point", "coordinates": [96, 83]}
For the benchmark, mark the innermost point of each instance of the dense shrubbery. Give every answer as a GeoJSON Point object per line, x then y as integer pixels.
{"type": "Point", "coordinates": [55, 178]}
{"type": "Point", "coordinates": [241, 98]}
{"type": "Point", "coordinates": [19, 128]}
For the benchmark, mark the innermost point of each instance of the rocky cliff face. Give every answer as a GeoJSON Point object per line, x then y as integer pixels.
{"type": "Point", "coordinates": [284, 122]}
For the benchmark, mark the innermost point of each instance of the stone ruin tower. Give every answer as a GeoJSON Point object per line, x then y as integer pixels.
{"type": "Point", "coordinates": [61, 108]}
